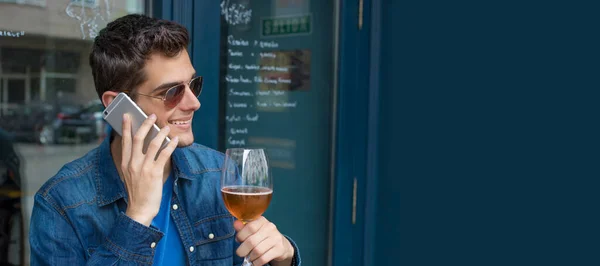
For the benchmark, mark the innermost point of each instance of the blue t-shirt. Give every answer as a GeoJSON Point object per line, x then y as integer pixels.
{"type": "Point", "coordinates": [169, 250]}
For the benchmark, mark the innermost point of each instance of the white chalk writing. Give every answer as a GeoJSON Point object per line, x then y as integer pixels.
{"type": "Point", "coordinates": [252, 67]}
{"type": "Point", "coordinates": [244, 80]}
{"type": "Point", "coordinates": [252, 118]}
{"type": "Point", "coordinates": [233, 118]}
{"type": "Point", "coordinates": [231, 79]}
{"type": "Point", "coordinates": [285, 104]}
{"type": "Point", "coordinates": [235, 13]}
{"type": "Point", "coordinates": [269, 81]}
{"type": "Point", "coordinates": [269, 55]}
{"type": "Point", "coordinates": [238, 118]}
{"type": "Point", "coordinates": [234, 66]}
{"type": "Point", "coordinates": [268, 44]}
{"type": "Point", "coordinates": [235, 53]}
{"type": "Point", "coordinates": [237, 105]}
{"type": "Point", "coordinates": [278, 104]}
{"type": "Point", "coordinates": [239, 93]}
{"type": "Point", "coordinates": [267, 93]}
{"type": "Point", "coordinates": [235, 131]}
{"type": "Point", "coordinates": [236, 142]}
{"type": "Point", "coordinates": [282, 80]}
{"type": "Point", "coordinates": [274, 68]}
{"type": "Point", "coordinates": [89, 14]}
{"type": "Point", "coordinates": [236, 42]}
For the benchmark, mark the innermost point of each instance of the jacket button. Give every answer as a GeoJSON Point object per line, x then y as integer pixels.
{"type": "Point", "coordinates": [211, 236]}
{"type": "Point", "coordinates": [192, 249]}
{"type": "Point", "coordinates": [175, 207]}
{"type": "Point", "coordinates": [153, 245]}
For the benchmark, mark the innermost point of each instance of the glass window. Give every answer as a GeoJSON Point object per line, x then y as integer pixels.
{"type": "Point", "coordinates": [45, 77]}
{"type": "Point", "coordinates": [277, 93]}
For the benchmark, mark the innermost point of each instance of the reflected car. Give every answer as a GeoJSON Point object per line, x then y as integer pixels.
{"type": "Point", "coordinates": [27, 122]}
{"type": "Point", "coordinates": [11, 217]}
{"type": "Point", "coordinates": [85, 124]}
{"type": "Point", "coordinates": [55, 123]}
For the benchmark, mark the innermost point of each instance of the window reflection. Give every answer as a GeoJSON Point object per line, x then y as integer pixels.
{"type": "Point", "coordinates": [49, 110]}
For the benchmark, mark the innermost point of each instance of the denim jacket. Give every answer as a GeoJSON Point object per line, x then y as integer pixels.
{"type": "Point", "coordinates": [79, 214]}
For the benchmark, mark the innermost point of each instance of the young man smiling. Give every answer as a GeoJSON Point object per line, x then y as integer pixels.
{"type": "Point", "coordinates": [120, 206]}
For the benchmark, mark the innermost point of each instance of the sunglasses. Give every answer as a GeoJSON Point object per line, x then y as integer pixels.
{"type": "Point", "coordinates": [173, 95]}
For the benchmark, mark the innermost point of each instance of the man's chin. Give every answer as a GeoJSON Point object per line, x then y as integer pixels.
{"type": "Point", "coordinates": [185, 141]}
{"type": "Point", "coordinates": [184, 144]}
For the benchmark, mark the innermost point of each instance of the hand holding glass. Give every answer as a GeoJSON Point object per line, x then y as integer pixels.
{"type": "Point", "coordinates": [246, 184]}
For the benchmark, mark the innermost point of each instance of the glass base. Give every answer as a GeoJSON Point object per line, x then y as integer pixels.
{"type": "Point", "coordinates": [247, 261]}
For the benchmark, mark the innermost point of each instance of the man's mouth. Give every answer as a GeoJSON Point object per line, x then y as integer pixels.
{"type": "Point", "coordinates": [180, 122]}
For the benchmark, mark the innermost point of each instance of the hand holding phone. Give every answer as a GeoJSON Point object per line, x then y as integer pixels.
{"type": "Point", "coordinates": [143, 157]}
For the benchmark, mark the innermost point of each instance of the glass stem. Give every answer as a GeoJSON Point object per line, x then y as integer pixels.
{"type": "Point", "coordinates": [247, 261]}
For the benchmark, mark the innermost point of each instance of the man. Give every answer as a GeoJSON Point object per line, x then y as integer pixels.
{"type": "Point", "coordinates": [120, 206]}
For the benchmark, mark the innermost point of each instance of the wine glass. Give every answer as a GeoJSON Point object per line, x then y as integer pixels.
{"type": "Point", "coordinates": [246, 185]}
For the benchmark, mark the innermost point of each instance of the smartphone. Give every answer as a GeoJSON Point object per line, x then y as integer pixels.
{"type": "Point", "coordinates": [122, 104]}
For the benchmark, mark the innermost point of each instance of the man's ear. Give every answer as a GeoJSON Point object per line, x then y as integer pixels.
{"type": "Point", "coordinates": [108, 97]}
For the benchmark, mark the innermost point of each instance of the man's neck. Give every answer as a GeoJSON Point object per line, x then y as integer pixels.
{"type": "Point", "coordinates": [115, 151]}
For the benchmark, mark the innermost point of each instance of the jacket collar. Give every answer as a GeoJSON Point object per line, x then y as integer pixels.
{"type": "Point", "coordinates": [109, 186]}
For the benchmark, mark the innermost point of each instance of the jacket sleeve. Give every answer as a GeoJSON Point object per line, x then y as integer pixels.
{"type": "Point", "coordinates": [296, 261]}
{"type": "Point", "coordinates": [54, 241]}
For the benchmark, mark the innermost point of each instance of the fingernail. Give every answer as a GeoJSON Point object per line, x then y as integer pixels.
{"type": "Point", "coordinates": [176, 138]}
{"type": "Point", "coordinates": [166, 128]}
{"type": "Point", "coordinates": [152, 116]}
{"type": "Point", "coordinates": [125, 117]}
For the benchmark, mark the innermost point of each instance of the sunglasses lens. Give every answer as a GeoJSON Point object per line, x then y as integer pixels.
{"type": "Point", "coordinates": [196, 86]}
{"type": "Point", "coordinates": [174, 95]}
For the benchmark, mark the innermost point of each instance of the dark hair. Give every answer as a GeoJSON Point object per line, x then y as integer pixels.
{"type": "Point", "coordinates": [120, 50]}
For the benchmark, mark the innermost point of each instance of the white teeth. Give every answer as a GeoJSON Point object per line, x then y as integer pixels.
{"type": "Point", "coordinates": [179, 122]}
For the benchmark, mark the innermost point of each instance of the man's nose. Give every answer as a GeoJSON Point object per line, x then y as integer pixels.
{"type": "Point", "coordinates": [189, 101]}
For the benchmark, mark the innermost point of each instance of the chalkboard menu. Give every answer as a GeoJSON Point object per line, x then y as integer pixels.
{"type": "Point", "coordinates": [260, 80]}
{"type": "Point", "coordinates": [276, 87]}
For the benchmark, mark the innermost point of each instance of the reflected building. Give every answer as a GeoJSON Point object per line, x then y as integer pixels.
{"type": "Point", "coordinates": [45, 45]}
{"type": "Point", "coordinates": [44, 51]}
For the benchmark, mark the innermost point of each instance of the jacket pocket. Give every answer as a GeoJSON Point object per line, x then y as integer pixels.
{"type": "Point", "coordinates": [214, 238]}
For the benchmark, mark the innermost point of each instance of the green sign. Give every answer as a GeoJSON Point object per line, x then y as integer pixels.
{"type": "Point", "coordinates": [285, 26]}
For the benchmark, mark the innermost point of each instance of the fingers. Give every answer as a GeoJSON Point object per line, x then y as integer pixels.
{"type": "Point", "coordinates": [155, 145]}
{"type": "Point", "coordinates": [251, 228]}
{"type": "Point", "coordinates": [252, 243]}
{"type": "Point", "coordinates": [125, 142]}
{"type": "Point", "coordinates": [266, 252]}
{"type": "Point", "coordinates": [264, 243]}
{"type": "Point", "coordinates": [165, 154]}
{"type": "Point", "coordinates": [140, 136]}
{"type": "Point", "coordinates": [238, 225]}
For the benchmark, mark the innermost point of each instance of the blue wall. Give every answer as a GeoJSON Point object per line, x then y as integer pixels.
{"type": "Point", "coordinates": [485, 143]}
